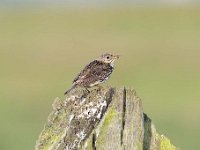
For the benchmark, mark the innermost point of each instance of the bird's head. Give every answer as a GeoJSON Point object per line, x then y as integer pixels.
{"type": "Point", "coordinates": [109, 58]}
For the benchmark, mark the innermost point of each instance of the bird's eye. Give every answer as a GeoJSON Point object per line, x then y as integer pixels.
{"type": "Point", "coordinates": [108, 57]}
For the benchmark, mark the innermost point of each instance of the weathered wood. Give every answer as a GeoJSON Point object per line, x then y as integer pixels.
{"type": "Point", "coordinates": [102, 119]}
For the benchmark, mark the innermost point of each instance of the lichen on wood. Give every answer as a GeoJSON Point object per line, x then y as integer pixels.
{"type": "Point", "coordinates": [103, 119]}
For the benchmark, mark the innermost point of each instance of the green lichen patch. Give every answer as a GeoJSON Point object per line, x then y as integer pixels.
{"type": "Point", "coordinates": [108, 119]}
{"type": "Point", "coordinates": [165, 144]}
{"type": "Point", "coordinates": [53, 130]}
{"type": "Point", "coordinates": [104, 126]}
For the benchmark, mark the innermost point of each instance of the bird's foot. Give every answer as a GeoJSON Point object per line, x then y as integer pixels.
{"type": "Point", "coordinates": [88, 91]}
{"type": "Point", "coordinates": [99, 88]}
{"type": "Point", "coordinates": [85, 92]}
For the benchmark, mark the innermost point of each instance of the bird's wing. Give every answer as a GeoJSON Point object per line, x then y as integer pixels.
{"type": "Point", "coordinates": [93, 72]}
{"type": "Point", "coordinates": [82, 75]}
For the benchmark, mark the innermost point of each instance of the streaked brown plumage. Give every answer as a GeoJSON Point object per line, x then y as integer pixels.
{"type": "Point", "coordinates": [96, 72]}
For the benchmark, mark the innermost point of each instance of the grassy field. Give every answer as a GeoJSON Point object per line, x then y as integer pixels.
{"type": "Point", "coordinates": [41, 50]}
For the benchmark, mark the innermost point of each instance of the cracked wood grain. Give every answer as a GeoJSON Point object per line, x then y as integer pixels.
{"type": "Point", "coordinates": [123, 115]}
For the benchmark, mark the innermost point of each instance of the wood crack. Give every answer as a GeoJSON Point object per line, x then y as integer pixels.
{"type": "Point", "coordinates": [123, 115]}
{"type": "Point", "coordinates": [94, 141]}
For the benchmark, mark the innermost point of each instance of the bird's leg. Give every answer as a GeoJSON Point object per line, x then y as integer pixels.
{"type": "Point", "coordinates": [99, 87]}
{"type": "Point", "coordinates": [87, 90]}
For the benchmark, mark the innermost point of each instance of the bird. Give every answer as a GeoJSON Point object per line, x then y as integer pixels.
{"type": "Point", "coordinates": [95, 73]}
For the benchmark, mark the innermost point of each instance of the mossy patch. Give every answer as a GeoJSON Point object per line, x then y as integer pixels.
{"type": "Point", "coordinates": [165, 144]}
{"type": "Point", "coordinates": [53, 130]}
{"type": "Point", "coordinates": [105, 124]}
{"type": "Point", "coordinates": [109, 116]}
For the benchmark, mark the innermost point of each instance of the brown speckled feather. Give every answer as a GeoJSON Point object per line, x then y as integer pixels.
{"type": "Point", "coordinates": [94, 73]}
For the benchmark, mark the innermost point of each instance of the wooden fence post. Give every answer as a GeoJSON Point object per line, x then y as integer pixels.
{"type": "Point", "coordinates": [103, 119]}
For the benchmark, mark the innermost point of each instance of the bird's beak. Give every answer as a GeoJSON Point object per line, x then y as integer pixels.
{"type": "Point", "coordinates": [116, 56]}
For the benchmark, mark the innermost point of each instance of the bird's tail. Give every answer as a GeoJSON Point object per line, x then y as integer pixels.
{"type": "Point", "coordinates": [70, 89]}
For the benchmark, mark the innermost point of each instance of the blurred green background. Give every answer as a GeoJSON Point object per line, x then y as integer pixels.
{"type": "Point", "coordinates": [42, 49]}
